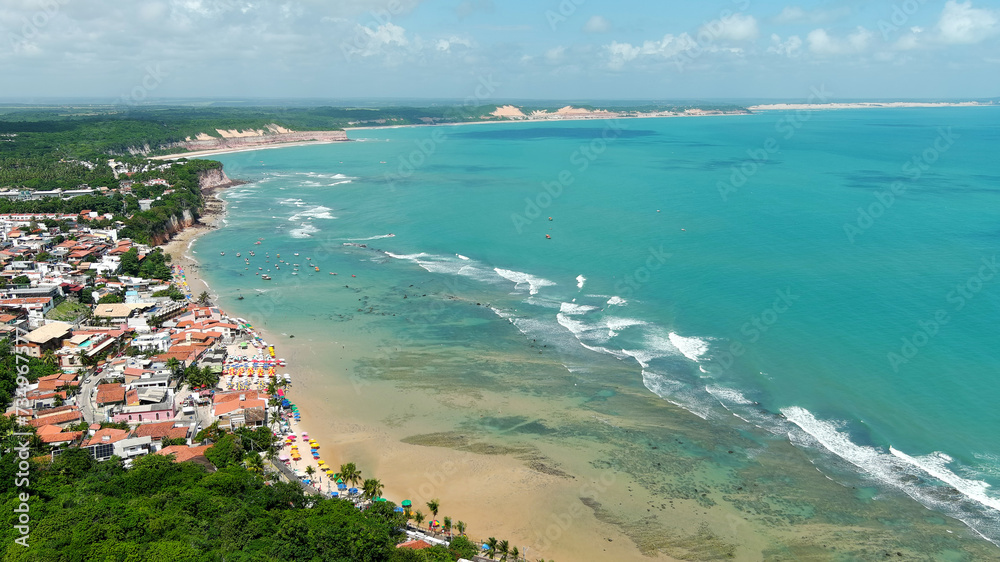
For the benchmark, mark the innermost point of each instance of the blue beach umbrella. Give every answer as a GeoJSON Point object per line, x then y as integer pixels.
{"type": "Point", "coordinates": [352, 491]}
{"type": "Point", "coordinates": [398, 509]}
{"type": "Point", "coordinates": [334, 494]}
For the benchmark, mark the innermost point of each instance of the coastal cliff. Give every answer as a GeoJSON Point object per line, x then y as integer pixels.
{"type": "Point", "coordinates": [232, 140]}
{"type": "Point", "coordinates": [210, 181]}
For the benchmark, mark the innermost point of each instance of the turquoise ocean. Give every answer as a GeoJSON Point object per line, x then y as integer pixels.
{"type": "Point", "coordinates": [827, 279]}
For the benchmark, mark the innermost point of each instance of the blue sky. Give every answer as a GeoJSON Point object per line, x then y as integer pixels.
{"type": "Point", "coordinates": [493, 51]}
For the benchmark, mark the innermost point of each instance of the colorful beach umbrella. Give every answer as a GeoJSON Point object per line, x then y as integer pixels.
{"type": "Point", "coordinates": [407, 503]}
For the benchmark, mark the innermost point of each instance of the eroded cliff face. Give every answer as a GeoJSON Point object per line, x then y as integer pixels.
{"type": "Point", "coordinates": [209, 181]}
{"type": "Point", "coordinates": [175, 225]}
{"type": "Point", "coordinates": [213, 179]}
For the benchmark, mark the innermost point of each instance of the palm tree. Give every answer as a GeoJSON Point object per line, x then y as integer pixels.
{"type": "Point", "coordinates": [175, 366]}
{"type": "Point", "coordinates": [491, 547]}
{"type": "Point", "coordinates": [434, 505]}
{"type": "Point", "coordinates": [419, 518]}
{"type": "Point", "coordinates": [503, 547]}
{"type": "Point", "coordinates": [310, 471]}
{"type": "Point", "coordinates": [350, 473]}
{"type": "Point", "coordinates": [254, 463]}
{"type": "Point", "coordinates": [447, 526]}
{"type": "Point", "coordinates": [203, 298]}
{"type": "Point", "coordinates": [460, 526]}
{"type": "Point", "coordinates": [372, 488]}
{"type": "Point", "coordinates": [515, 553]}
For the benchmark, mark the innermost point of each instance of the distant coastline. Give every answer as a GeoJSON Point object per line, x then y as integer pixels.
{"type": "Point", "coordinates": [237, 141]}
{"type": "Point", "coordinates": [862, 105]}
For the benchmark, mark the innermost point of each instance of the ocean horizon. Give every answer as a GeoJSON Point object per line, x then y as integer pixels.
{"type": "Point", "coordinates": [779, 321]}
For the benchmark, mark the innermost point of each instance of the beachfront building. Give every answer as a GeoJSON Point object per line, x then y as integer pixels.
{"type": "Point", "coordinates": [235, 409]}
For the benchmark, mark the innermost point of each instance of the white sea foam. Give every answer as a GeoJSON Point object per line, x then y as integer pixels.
{"type": "Point", "coordinates": [461, 257]}
{"type": "Point", "coordinates": [368, 238]}
{"type": "Point", "coordinates": [616, 325]}
{"type": "Point", "coordinates": [617, 301]}
{"type": "Point", "coordinates": [317, 212]}
{"type": "Point", "coordinates": [890, 468]}
{"type": "Point", "coordinates": [728, 396]}
{"type": "Point", "coordinates": [305, 230]}
{"type": "Point", "coordinates": [675, 392]}
{"type": "Point", "coordinates": [692, 348]}
{"type": "Point", "coordinates": [519, 278]}
{"type": "Point", "coordinates": [580, 280]}
{"type": "Point", "coordinates": [936, 465]}
{"type": "Point", "coordinates": [573, 308]}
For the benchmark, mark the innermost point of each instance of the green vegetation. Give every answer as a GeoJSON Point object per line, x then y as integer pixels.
{"type": "Point", "coordinates": [68, 311]}
{"type": "Point", "coordinates": [160, 510]}
{"type": "Point", "coordinates": [11, 367]}
{"type": "Point", "coordinates": [173, 292]}
{"type": "Point", "coordinates": [152, 266]}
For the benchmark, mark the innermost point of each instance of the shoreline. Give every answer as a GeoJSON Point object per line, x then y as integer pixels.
{"type": "Point", "coordinates": [345, 423]}
{"type": "Point", "coordinates": [750, 111]}
{"type": "Point", "coordinates": [473, 486]}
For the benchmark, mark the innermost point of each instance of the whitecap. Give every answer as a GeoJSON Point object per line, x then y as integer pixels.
{"type": "Point", "coordinates": [520, 278]}
{"type": "Point", "coordinates": [305, 230]}
{"type": "Point", "coordinates": [692, 348]}
{"type": "Point", "coordinates": [580, 280]}
{"type": "Point", "coordinates": [617, 301]}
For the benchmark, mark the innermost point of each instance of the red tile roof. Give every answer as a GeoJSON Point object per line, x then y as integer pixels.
{"type": "Point", "coordinates": [62, 437]}
{"type": "Point", "coordinates": [183, 452]}
{"type": "Point", "coordinates": [415, 545]}
{"type": "Point", "coordinates": [108, 435]}
{"type": "Point", "coordinates": [56, 419]}
{"type": "Point", "coordinates": [111, 395]}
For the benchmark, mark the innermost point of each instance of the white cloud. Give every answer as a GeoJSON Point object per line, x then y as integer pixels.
{"type": "Point", "coordinates": [380, 37]}
{"type": "Point", "coordinates": [555, 54]}
{"type": "Point", "coordinates": [795, 14]}
{"type": "Point", "coordinates": [961, 23]}
{"type": "Point", "coordinates": [822, 43]}
{"type": "Point", "coordinates": [621, 53]}
{"type": "Point", "coordinates": [597, 24]}
{"type": "Point", "coordinates": [910, 40]}
{"type": "Point", "coordinates": [445, 45]}
{"type": "Point", "coordinates": [737, 27]}
{"type": "Point", "coordinates": [791, 47]}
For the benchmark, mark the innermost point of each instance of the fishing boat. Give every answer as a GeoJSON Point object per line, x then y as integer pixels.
{"type": "Point", "coordinates": [222, 253]}
{"type": "Point", "coordinates": [265, 277]}
{"type": "Point", "coordinates": [238, 254]}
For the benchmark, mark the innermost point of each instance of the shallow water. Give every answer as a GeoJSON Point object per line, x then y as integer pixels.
{"type": "Point", "coordinates": [662, 325]}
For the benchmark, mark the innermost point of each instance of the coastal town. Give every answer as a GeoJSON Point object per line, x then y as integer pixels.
{"type": "Point", "coordinates": [135, 365]}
